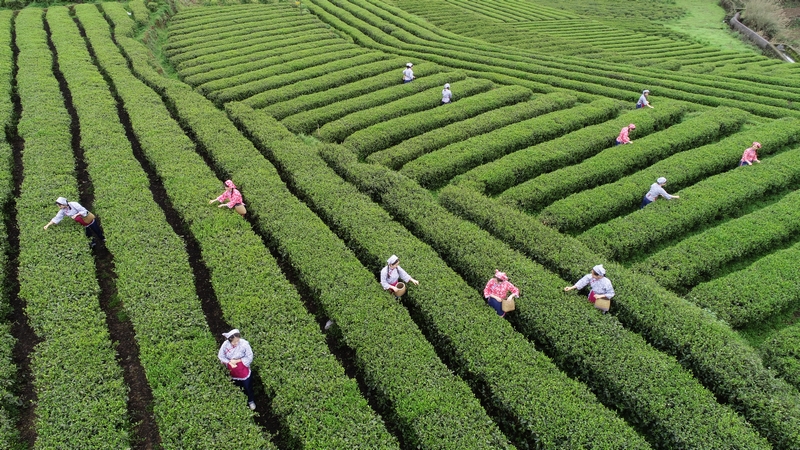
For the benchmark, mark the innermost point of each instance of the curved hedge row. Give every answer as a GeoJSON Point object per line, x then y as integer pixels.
{"type": "Point", "coordinates": [590, 207]}
{"type": "Point", "coordinates": [618, 365]}
{"type": "Point", "coordinates": [699, 205]}
{"type": "Point", "coordinates": [303, 34]}
{"type": "Point", "coordinates": [616, 162]}
{"type": "Point", "coordinates": [699, 257]}
{"type": "Point", "coordinates": [308, 102]}
{"type": "Point", "coordinates": [717, 355]}
{"type": "Point", "coordinates": [781, 352]}
{"type": "Point", "coordinates": [308, 121]}
{"type": "Point", "coordinates": [755, 293]}
{"type": "Point", "coordinates": [437, 168]}
{"type": "Point", "coordinates": [234, 80]}
{"type": "Point", "coordinates": [395, 157]}
{"type": "Point", "coordinates": [385, 134]}
{"type": "Point", "coordinates": [340, 129]}
{"type": "Point", "coordinates": [515, 168]}
{"type": "Point", "coordinates": [535, 402]}
{"type": "Point", "coordinates": [290, 349]}
{"type": "Point", "coordinates": [213, 35]}
{"type": "Point", "coordinates": [322, 83]}
{"type": "Point", "coordinates": [397, 364]}
{"type": "Point", "coordinates": [75, 373]}
{"type": "Point", "coordinates": [237, 66]}
{"type": "Point", "coordinates": [229, 18]}
{"type": "Point", "coordinates": [140, 12]}
{"type": "Point", "coordinates": [156, 288]}
{"type": "Point", "coordinates": [350, 69]}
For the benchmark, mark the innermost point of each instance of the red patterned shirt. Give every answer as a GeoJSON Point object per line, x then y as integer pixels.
{"type": "Point", "coordinates": [749, 155]}
{"type": "Point", "coordinates": [233, 196]}
{"type": "Point", "coordinates": [499, 289]}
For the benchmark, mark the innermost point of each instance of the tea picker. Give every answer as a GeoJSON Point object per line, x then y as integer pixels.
{"type": "Point", "coordinates": [81, 215]}
{"type": "Point", "coordinates": [392, 273]}
{"type": "Point", "coordinates": [237, 356]}
{"type": "Point", "coordinates": [233, 197]}
{"type": "Point", "coordinates": [750, 155]}
{"type": "Point", "coordinates": [643, 101]}
{"type": "Point", "coordinates": [656, 190]}
{"type": "Point", "coordinates": [623, 137]}
{"type": "Point", "coordinates": [601, 289]}
{"type": "Point", "coordinates": [408, 74]}
{"type": "Point", "coordinates": [499, 293]}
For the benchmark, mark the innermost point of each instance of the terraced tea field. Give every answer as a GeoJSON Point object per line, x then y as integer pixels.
{"type": "Point", "coordinates": [341, 164]}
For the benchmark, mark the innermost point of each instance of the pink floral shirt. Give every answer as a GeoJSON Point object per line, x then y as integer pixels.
{"type": "Point", "coordinates": [749, 155]}
{"type": "Point", "coordinates": [499, 289]}
{"type": "Point", "coordinates": [623, 136]}
{"type": "Point", "coordinates": [233, 196]}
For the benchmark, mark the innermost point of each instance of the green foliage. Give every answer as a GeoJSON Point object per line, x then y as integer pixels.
{"type": "Point", "coordinates": [141, 13]}
{"type": "Point", "coordinates": [350, 66]}
{"type": "Point", "coordinates": [782, 353]}
{"type": "Point", "coordinates": [615, 162]}
{"type": "Point", "coordinates": [517, 167]}
{"type": "Point", "coordinates": [238, 66]}
{"type": "Point", "coordinates": [398, 155]}
{"type": "Point", "coordinates": [590, 207]}
{"type": "Point", "coordinates": [700, 257]}
{"type": "Point", "coordinates": [700, 205]}
{"type": "Point", "coordinates": [76, 376]}
{"type": "Point", "coordinates": [156, 288]}
{"type": "Point", "coordinates": [267, 308]}
{"type": "Point", "coordinates": [340, 129]}
{"type": "Point", "coordinates": [436, 168]}
{"type": "Point", "coordinates": [337, 103]}
{"type": "Point", "coordinates": [387, 133]}
{"type": "Point", "coordinates": [717, 356]}
{"type": "Point", "coordinates": [619, 366]}
{"type": "Point", "coordinates": [755, 293]}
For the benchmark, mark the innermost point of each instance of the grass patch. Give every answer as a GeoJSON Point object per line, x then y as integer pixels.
{"type": "Point", "coordinates": [704, 22]}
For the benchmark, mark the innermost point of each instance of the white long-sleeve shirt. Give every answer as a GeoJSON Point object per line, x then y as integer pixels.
{"type": "Point", "coordinates": [655, 191]}
{"type": "Point", "coordinates": [447, 95]}
{"type": "Point", "coordinates": [74, 208]}
{"type": "Point", "coordinates": [389, 278]}
{"type": "Point", "coordinates": [242, 351]}
{"type": "Point", "coordinates": [408, 74]}
{"type": "Point", "coordinates": [600, 286]}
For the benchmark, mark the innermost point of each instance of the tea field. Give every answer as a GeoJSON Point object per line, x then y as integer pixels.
{"type": "Point", "coordinates": [141, 111]}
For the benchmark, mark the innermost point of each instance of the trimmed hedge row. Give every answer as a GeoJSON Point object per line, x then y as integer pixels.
{"type": "Point", "coordinates": [561, 72]}
{"type": "Point", "coordinates": [197, 74]}
{"type": "Point", "coordinates": [340, 129]}
{"type": "Point", "coordinates": [616, 162]}
{"type": "Point", "coordinates": [247, 63]}
{"type": "Point", "coordinates": [781, 352]}
{"type": "Point", "coordinates": [156, 288]}
{"type": "Point", "coordinates": [302, 34]}
{"type": "Point", "coordinates": [310, 120]}
{"type": "Point", "coordinates": [234, 20]}
{"type": "Point", "coordinates": [322, 83]}
{"type": "Point", "coordinates": [385, 134]}
{"type": "Point", "coordinates": [395, 157]}
{"type": "Point", "coordinates": [590, 207]}
{"type": "Point", "coordinates": [534, 401]}
{"type": "Point", "coordinates": [717, 355]}
{"type": "Point", "coordinates": [436, 168]}
{"type": "Point", "coordinates": [350, 69]}
{"type": "Point", "coordinates": [204, 33]}
{"type": "Point", "coordinates": [700, 205]}
{"type": "Point", "coordinates": [629, 375]}
{"type": "Point", "coordinates": [267, 308]}
{"type": "Point", "coordinates": [275, 46]}
{"type": "Point", "coordinates": [214, 36]}
{"type": "Point", "coordinates": [75, 373]}
{"type": "Point", "coordinates": [140, 12]}
{"type": "Point", "coordinates": [429, 405]}
{"type": "Point", "coordinates": [9, 402]}
{"type": "Point", "coordinates": [515, 168]}
{"type": "Point", "coordinates": [348, 91]}
{"type": "Point", "coordinates": [755, 293]}
{"type": "Point", "coordinates": [699, 257]}
{"type": "Point", "coordinates": [235, 80]}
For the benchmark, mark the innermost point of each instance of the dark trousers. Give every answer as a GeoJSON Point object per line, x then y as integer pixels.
{"type": "Point", "coordinates": [93, 229]}
{"type": "Point", "coordinates": [645, 202]}
{"type": "Point", "coordinates": [247, 387]}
